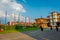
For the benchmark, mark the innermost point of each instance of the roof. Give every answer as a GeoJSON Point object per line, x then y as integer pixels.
{"type": "Point", "coordinates": [54, 12]}
{"type": "Point", "coordinates": [40, 18]}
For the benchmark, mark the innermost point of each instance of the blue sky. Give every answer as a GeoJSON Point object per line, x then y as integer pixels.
{"type": "Point", "coordinates": [38, 8]}
{"type": "Point", "coordinates": [28, 8]}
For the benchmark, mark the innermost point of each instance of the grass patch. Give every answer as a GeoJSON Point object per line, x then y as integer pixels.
{"type": "Point", "coordinates": [8, 31]}
{"type": "Point", "coordinates": [17, 28]}
{"type": "Point", "coordinates": [28, 29]}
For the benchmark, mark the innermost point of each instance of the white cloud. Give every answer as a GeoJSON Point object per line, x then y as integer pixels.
{"type": "Point", "coordinates": [1, 14]}
{"type": "Point", "coordinates": [17, 7]}
{"type": "Point", "coordinates": [11, 17]}
{"type": "Point", "coordinates": [5, 1]}
{"type": "Point", "coordinates": [11, 6]}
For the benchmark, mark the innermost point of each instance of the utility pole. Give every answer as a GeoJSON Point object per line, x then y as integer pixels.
{"type": "Point", "coordinates": [29, 20]}
{"type": "Point", "coordinates": [0, 23]}
{"type": "Point", "coordinates": [0, 16]}
{"type": "Point", "coordinates": [0, 20]}
{"type": "Point", "coordinates": [25, 21]}
{"type": "Point", "coordinates": [19, 18]}
{"type": "Point", "coordinates": [5, 17]}
{"type": "Point", "coordinates": [14, 17]}
{"type": "Point", "coordinates": [10, 19]}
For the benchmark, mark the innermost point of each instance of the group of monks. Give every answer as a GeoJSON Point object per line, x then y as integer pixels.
{"type": "Point", "coordinates": [50, 28]}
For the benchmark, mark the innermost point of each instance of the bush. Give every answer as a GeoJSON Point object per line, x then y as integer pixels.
{"type": "Point", "coordinates": [12, 27]}
{"type": "Point", "coordinates": [18, 27]}
{"type": "Point", "coordinates": [8, 27]}
{"type": "Point", "coordinates": [28, 26]}
{"type": "Point", "coordinates": [35, 25]}
{"type": "Point", "coordinates": [3, 27]}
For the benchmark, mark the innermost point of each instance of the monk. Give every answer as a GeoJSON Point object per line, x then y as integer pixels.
{"type": "Point", "coordinates": [57, 28]}
{"type": "Point", "coordinates": [51, 27]}
{"type": "Point", "coordinates": [41, 28]}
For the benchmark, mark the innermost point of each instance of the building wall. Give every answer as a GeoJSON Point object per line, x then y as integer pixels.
{"type": "Point", "coordinates": [12, 23]}
{"type": "Point", "coordinates": [56, 17]}
{"type": "Point", "coordinates": [42, 22]}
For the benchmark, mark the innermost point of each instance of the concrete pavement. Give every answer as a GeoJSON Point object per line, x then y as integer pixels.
{"type": "Point", "coordinates": [15, 36]}
{"type": "Point", "coordinates": [47, 34]}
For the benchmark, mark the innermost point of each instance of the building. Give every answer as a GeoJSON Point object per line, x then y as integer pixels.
{"type": "Point", "coordinates": [26, 23]}
{"type": "Point", "coordinates": [41, 22]}
{"type": "Point", "coordinates": [22, 23]}
{"type": "Point", "coordinates": [12, 23]}
{"type": "Point", "coordinates": [54, 19]}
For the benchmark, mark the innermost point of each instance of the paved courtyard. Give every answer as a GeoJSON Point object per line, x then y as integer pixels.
{"type": "Point", "coordinates": [15, 36]}
{"type": "Point", "coordinates": [47, 34]}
